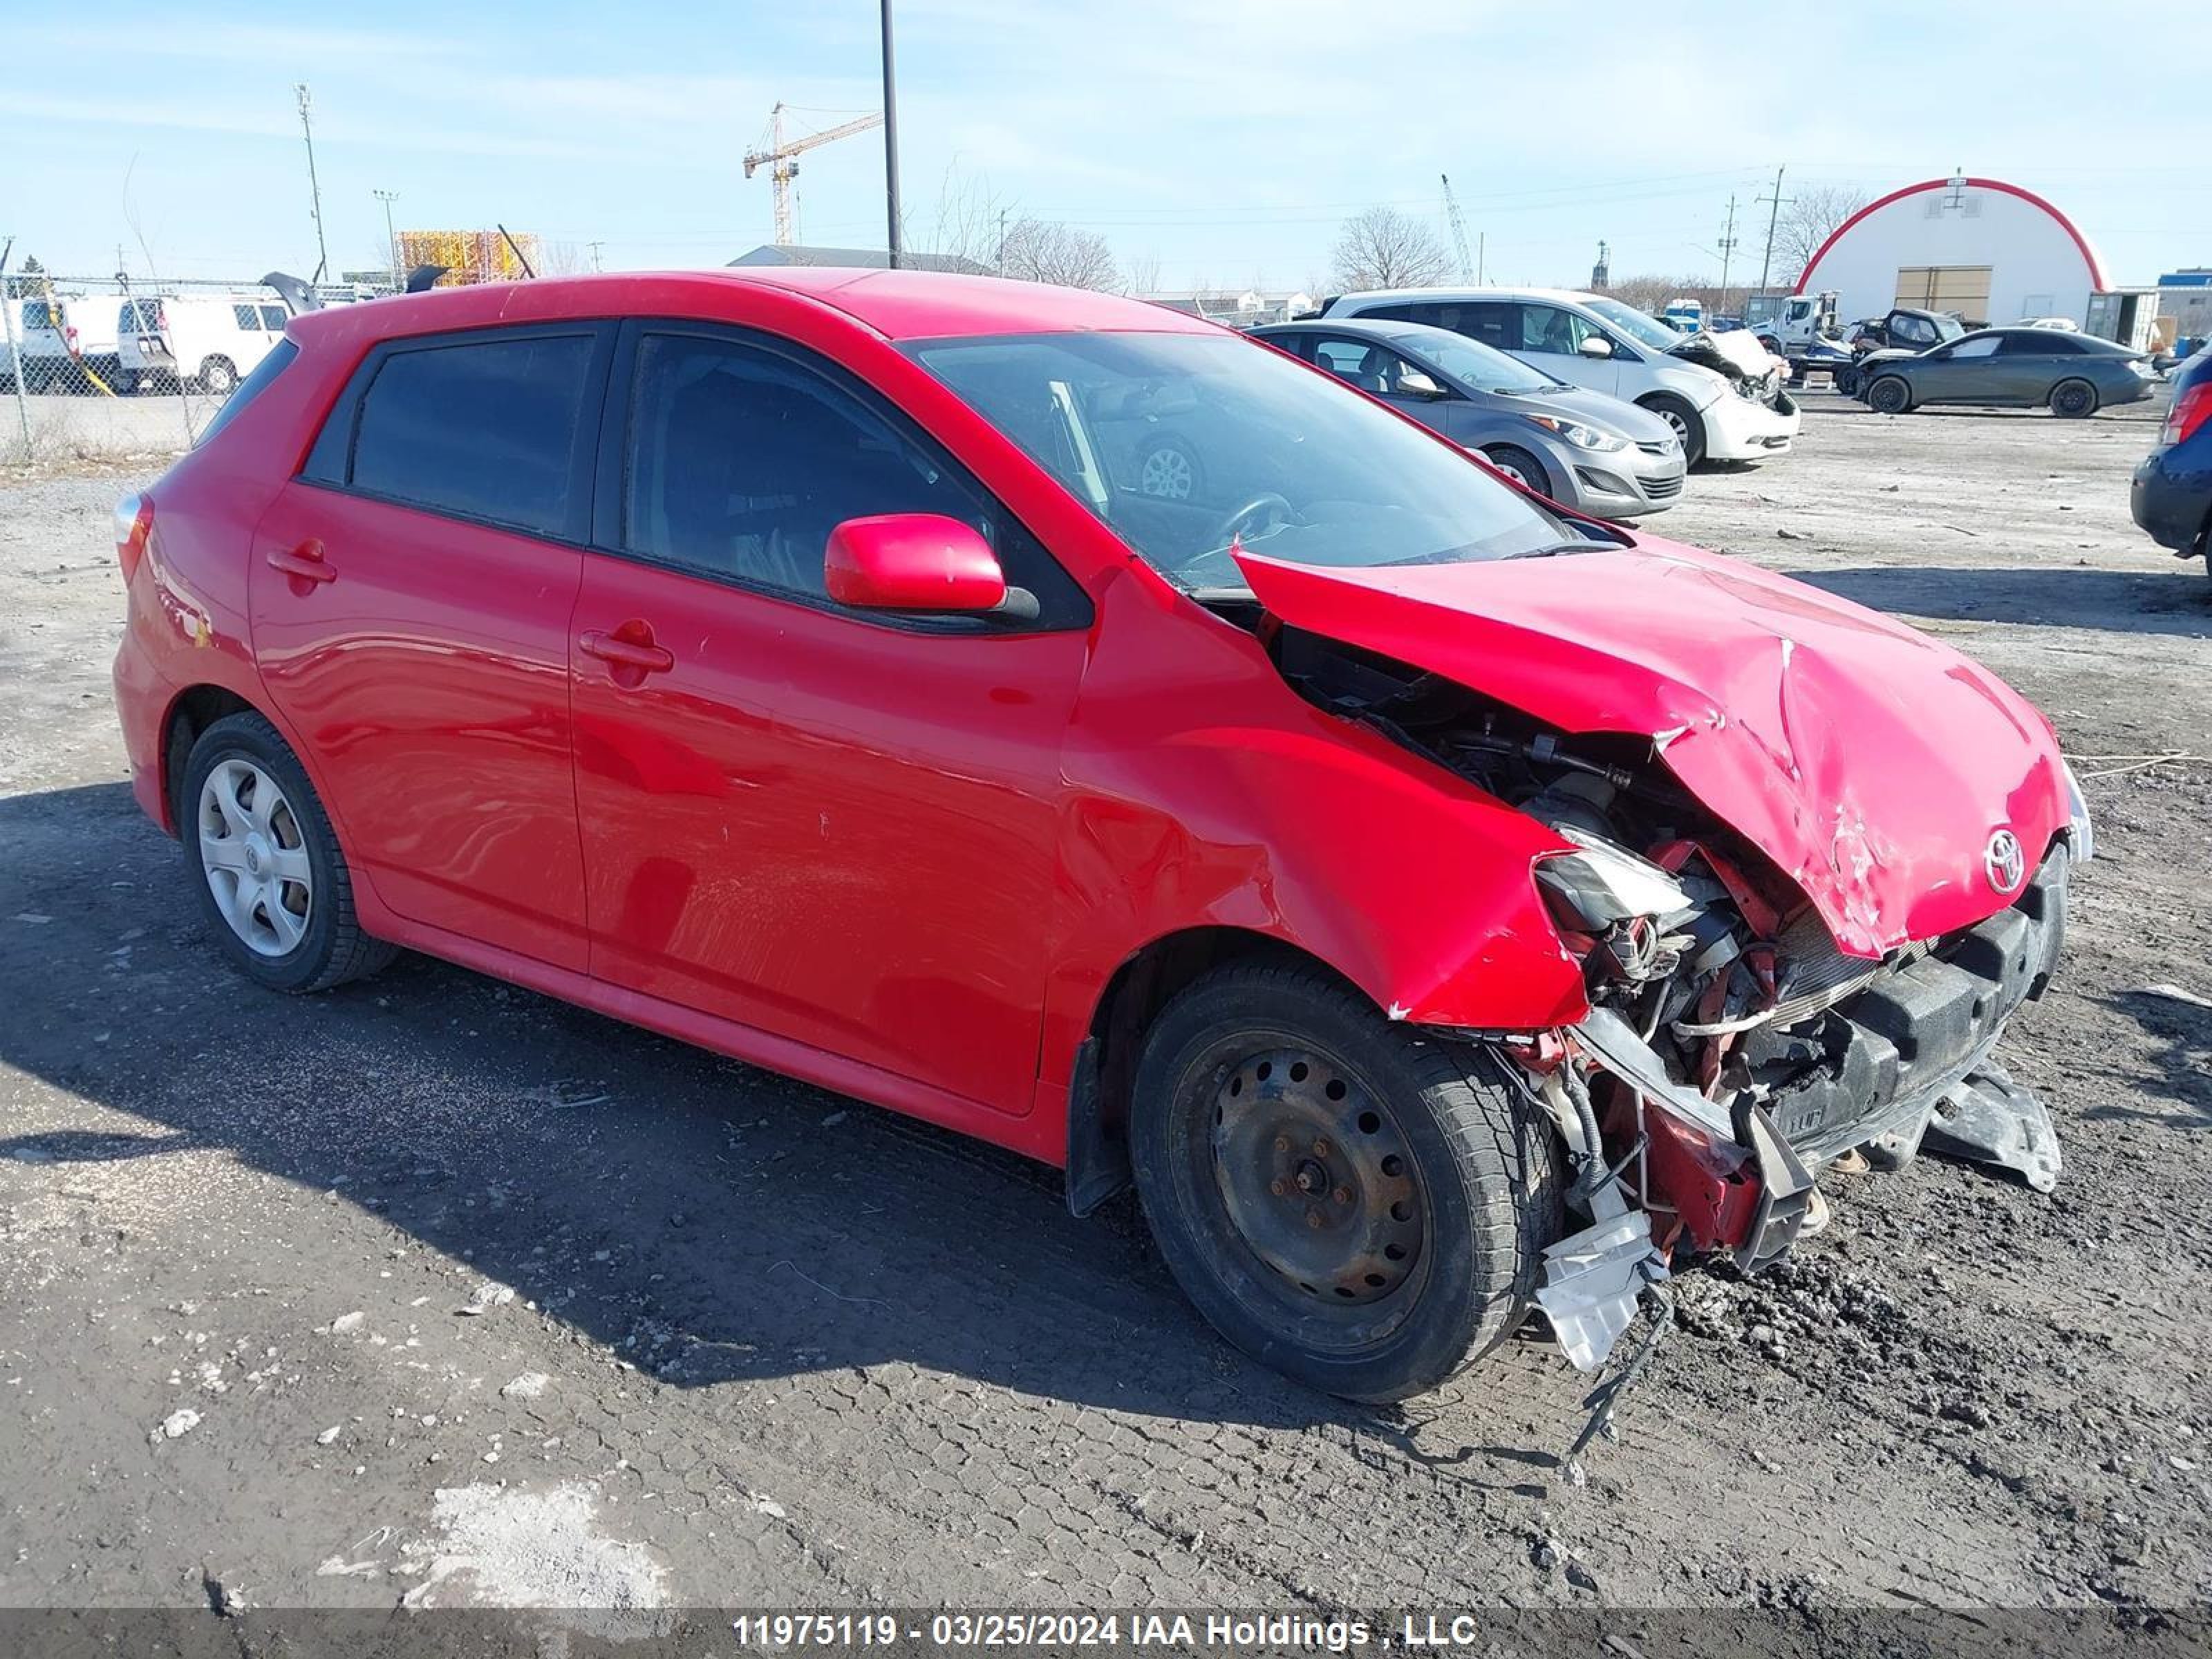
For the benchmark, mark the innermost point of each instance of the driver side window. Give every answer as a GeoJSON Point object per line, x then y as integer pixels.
{"type": "Point", "coordinates": [1363, 363]}
{"type": "Point", "coordinates": [1985, 347]}
{"type": "Point", "coordinates": [1549, 329]}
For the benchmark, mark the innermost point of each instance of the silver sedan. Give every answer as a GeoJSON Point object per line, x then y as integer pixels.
{"type": "Point", "coordinates": [1593, 453]}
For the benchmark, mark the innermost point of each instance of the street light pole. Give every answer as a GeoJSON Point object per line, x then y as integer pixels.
{"type": "Point", "coordinates": [896, 244]}
{"type": "Point", "coordinates": [391, 237]}
{"type": "Point", "coordinates": [314, 186]}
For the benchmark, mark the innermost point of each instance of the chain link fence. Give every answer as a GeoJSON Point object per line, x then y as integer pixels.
{"type": "Point", "coordinates": [102, 367]}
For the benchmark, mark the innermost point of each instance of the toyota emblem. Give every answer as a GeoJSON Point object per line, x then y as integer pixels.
{"type": "Point", "coordinates": [2004, 862]}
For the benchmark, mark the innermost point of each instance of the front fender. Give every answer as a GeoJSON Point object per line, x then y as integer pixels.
{"type": "Point", "coordinates": [1204, 792]}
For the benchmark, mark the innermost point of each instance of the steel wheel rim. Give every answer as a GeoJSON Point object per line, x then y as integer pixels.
{"type": "Point", "coordinates": [1167, 474]}
{"type": "Point", "coordinates": [1317, 1180]}
{"type": "Point", "coordinates": [255, 856]}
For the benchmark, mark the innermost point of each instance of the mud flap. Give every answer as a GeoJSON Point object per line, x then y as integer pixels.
{"type": "Point", "coordinates": [1987, 1118]}
{"type": "Point", "coordinates": [1785, 1196]}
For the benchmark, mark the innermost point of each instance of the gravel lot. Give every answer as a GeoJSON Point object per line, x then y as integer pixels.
{"type": "Point", "coordinates": [433, 1289]}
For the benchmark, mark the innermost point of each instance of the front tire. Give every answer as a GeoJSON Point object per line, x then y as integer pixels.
{"type": "Point", "coordinates": [1359, 1206]}
{"type": "Point", "coordinates": [218, 377]}
{"type": "Point", "coordinates": [271, 878]}
{"type": "Point", "coordinates": [1520, 466]}
{"type": "Point", "coordinates": [1889, 396]}
{"type": "Point", "coordinates": [1689, 426]}
{"type": "Point", "coordinates": [2074, 400]}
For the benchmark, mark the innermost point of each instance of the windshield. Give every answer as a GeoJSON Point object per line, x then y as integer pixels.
{"type": "Point", "coordinates": [1643, 330]}
{"type": "Point", "coordinates": [1482, 367]}
{"type": "Point", "coordinates": [1184, 443]}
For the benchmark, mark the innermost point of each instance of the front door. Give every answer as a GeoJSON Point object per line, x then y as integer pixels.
{"type": "Point", "coordinates": [1549, 339]}
{"type": "Point", "coordinates": [836, 828]}
{"type": "Point", "coordinates": [411, 599]}
{"type": "Point", "coordinates": [1965, 371]}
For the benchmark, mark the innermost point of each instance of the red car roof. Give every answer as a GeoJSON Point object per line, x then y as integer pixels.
{"type": "Point", "coordinates": [899, 305]}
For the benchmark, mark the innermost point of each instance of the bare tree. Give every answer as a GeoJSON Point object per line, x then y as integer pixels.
{"type": "Point", "coordinates": [1808, 219]}
{"type": "Point", "coordinates": [1046, 251]}
{"type": "Point", "coordinates": [1144, 274]}
{"type": "Point", "coordinates": [1382, 247]}
{"type": "Point", "coordinates": [969, 220]}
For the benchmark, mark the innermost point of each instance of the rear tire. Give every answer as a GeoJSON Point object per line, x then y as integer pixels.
{"type": "Point", "coordinates": [271, 878]}
{"type": "Point", "coordinates": [1689, 426]}
{"type": "Point", "coordinates": [2074, 400]}
{"type": "Point", "coordinates": [1359, 1206]}
{"type": "Point", "coordinates": [1520, 466]}
{"type": "Point", "coordinates": [1889, 396]}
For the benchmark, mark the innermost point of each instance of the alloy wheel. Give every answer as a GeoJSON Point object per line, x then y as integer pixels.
{"type": "Point", "coordinates": [1167, 474]}
{"type": "Point", "coordinates": [255, 858]}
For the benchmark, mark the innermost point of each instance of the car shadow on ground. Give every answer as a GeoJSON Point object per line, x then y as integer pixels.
{"type": "Point", "coordinates": [708, 1221]}
{"type": "Point", "coordinates": [2175, 602]}
{"type": "Point", "coordinates": [2182, 1070]}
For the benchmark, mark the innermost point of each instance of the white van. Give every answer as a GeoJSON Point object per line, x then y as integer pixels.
{"type": "Point", "coordinates": [1722, 393]}
{"type": "Point", "coordinates": [61, 339]}
{"type": "Point", "coordinates": [211, 341]}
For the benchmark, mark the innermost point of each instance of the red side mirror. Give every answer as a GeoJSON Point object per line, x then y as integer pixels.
{"type": "Point", "coordinates": [912, 562]}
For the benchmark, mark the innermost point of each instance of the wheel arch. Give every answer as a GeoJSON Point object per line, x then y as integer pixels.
{"type": "Point", "coordinates": [190, 713]}
{"type": "Point", "coordinates": [1100, 1093]}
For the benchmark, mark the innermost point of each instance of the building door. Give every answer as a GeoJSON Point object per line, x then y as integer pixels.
{"type": "Point", "coordinates": [1962, 289]}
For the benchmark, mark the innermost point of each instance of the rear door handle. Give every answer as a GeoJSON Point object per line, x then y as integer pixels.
{"type": "Point", "coordinates": [640, 654]}
{"type": "Point", "coordinates": [304, 562]}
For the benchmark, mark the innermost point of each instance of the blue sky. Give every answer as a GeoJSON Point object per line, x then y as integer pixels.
{"type": "Point", "coordinates": [1222, 142]}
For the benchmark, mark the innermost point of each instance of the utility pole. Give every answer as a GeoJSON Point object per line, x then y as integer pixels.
{"type": "Point", "coordinates": [1728, 247]}
{"type": "Point", "coordinates": [391, 236]}
{"type": "Point", "coordinates": [596, 265]}
{"type": "Point", "coordinates": [1773, 216]}
{"type": "Point", "coordinates": [894, 246]}
{"type": "Point", "coordinates": [314, 186]}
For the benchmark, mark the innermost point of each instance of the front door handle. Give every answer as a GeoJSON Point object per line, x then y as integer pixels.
{"type": "Point", "coordinates": [629, 646]}
{"type": "Point", "coordinates": [303, 563]}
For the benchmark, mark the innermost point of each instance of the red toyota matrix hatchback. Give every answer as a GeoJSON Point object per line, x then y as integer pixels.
{"type": "Point", "coordinates": [1439, 905]}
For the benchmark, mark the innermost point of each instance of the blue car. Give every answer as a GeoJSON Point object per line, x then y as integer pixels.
{"type": "Point", "coordinates": [2171, 497]}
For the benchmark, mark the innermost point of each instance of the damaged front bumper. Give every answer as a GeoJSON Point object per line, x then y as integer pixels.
{"type": "Point", "coordinates": [1886, 1065]}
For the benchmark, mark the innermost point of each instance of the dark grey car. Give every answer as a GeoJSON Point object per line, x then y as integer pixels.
{"type": "Point", "coordinates": [1582, 449]}
{"type": "Point", "coordinates": [2073, 375]}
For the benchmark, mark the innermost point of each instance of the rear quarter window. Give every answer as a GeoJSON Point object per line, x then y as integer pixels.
{"type": "Point", "coordinates": [264, 376]}
{"type": "Point", "coordinates": [481, 429]}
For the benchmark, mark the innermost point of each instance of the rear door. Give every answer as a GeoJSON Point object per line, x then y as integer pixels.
{"type": "Point", "coordinates": [411, 592]}
{"type": "Point", "coordinates": [836, 827]}
{"type": "Point", "coordinates": [2031, 361]}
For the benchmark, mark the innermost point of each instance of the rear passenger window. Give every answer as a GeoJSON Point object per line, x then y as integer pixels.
{"type": "Point", "coordinates": [246, 317]}
{"type": "Point", "coordinates": [482, 429]}
{"type": "Point", "coordinates": [273, 318]}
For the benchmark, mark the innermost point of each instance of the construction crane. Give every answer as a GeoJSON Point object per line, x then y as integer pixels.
{"type": "Point", "coordinates": [1458, 230]}
{"type": "Point", "coordinates": [782, 160]}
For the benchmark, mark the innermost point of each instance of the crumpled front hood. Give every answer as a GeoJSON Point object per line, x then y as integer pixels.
{"type": "Point", "coordinates": [1736, 353]}
{"type": "Point", "coordinates": [1871, 764]}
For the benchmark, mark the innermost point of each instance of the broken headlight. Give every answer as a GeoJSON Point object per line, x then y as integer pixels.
{"type": "Point", "coordinates": [1605, 885]}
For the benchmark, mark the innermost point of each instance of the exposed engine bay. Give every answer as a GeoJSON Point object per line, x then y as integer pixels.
{"type": "Point", "coordinates": [1731, 1050]}
{"type": "Point", "coordinates": [1743, 362]}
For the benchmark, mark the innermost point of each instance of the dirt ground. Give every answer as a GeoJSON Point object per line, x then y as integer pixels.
{"type": "Point", "coordinates": [431, 1288]}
